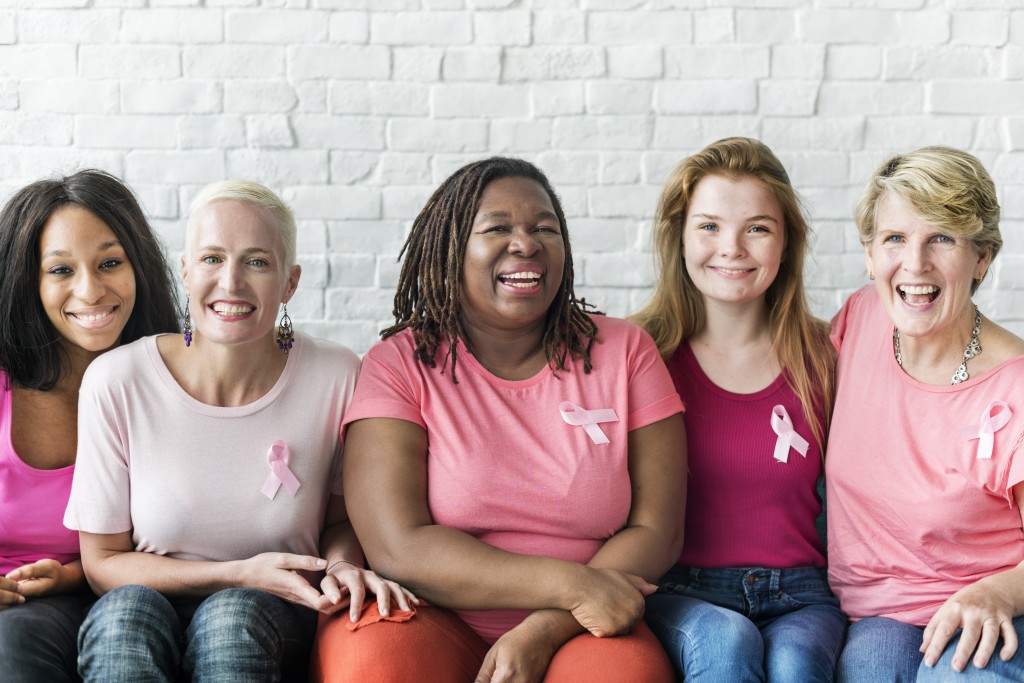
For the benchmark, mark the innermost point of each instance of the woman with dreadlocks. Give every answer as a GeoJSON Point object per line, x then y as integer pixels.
{"type": "Point", "coordinates": [510, 458]}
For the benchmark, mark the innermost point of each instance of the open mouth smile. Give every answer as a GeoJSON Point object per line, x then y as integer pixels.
{"type": "Point", "coordinates": [918, 295]}
{"type": "Point", "coordinates": [523, 280]}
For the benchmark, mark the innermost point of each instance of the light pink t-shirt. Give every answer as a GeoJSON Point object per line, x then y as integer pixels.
{"type": "Point", "coordinates": [32, 504]}
{"type": "Point", "coordinates": [186, 477]}
{"type": "Point", "coordinates": [503, 465]}
{"type": "Point", "coordinates": [744, 508]}
{"type": "Point", "coordinates": [913, 514]}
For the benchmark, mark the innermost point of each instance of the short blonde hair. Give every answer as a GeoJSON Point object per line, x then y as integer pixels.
{"type": "Point", "coordinates": [947, 187]}
{"type": "Point", "coordinates": [280, 214]}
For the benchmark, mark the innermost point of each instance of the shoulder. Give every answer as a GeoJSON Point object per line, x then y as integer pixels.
{"type": "Point", "coordinates": [325, 350]}
{"type": "Point", "coordinates": [120, 363]}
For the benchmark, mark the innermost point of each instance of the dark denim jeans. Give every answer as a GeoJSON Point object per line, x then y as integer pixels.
{"type": "Point", "coordinates": [739, 625]}
{"type": "Point", "coordinates": [881, 650]}
{"type": "Point", "coordinates": [39, 638]}
{"type": "Point", "coordinates": [238, 635]}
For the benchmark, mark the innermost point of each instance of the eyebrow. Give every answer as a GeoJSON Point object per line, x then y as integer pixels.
{"type": "Point", "coordinates": [759, 217]}
{"type": "Point", "coordinates": [246, 252]}
{"type": "Point", "coordinates": [64, 253]}
{"type": "Point", "coordinates": [503, 215]}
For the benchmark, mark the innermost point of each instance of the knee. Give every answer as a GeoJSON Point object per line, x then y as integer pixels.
{"type": "Point", "coordinates": [234, 612]}
{"type": "Point", "coordinates": [129, 613]}
{"type": "Point", "coordinates": [15, 632]}
{"type": "Point", "coordinates": [699, 636]}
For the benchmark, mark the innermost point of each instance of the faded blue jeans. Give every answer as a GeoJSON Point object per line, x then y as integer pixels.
{"type": "Point", "coordinates": [39, 638]}
{"type": "Point", "coordinates": [881, 650]}
{"type": "Point", "coordinates": [242, 635]}
{"type": "Point", "coordinates": [741, 625]}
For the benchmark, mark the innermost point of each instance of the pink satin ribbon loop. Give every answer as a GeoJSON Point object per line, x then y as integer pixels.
{"type": "Point", "coordinates": [278, 458]}
{"type": "Point", "coordinates": [996, 416]}
{"type": "Point", "coordinates": [588, 419]}
{"type": "Point", "coordinates": [788, 438]}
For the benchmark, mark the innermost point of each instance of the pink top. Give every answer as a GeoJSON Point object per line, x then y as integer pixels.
{"type": "Point", "coordinates": [187, 478]}
{"type": "Point", "coordinates": [914, 514]}
{"type": "Point", "coordinates": [744, 508]}
{"type": "Point", "coordinates": [503, 465]}
{"type": "Point", "coordinates": [32, 504]}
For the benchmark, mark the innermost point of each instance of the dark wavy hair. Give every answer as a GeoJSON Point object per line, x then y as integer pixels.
{"type": "Point", "coordinates": [29, 350]}
{"type": "Point", "coordinates": [429, 296]}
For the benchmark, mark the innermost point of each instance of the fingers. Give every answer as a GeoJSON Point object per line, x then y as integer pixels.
{"type": "Point", "coordinates": [357, 593]}
{"type": "Point", "coordinates": [303, 562]}
{"type": "Point", "coordinates": [1009, 641]}
{"type": "Point", "coordinates": [936, 637]}
{"type": "Point", "coordinates": [41, 569]}
{"type": "Point", "coordinates": [641, 585]}
{"type": "Point", "coordinates": [9, 598]}
{"type": "Point", "coordinates": [486, 669]}
{"type": "Point", "coordinates": [969, 637]}
{"type": "Point", "coordinates": [987, 643]}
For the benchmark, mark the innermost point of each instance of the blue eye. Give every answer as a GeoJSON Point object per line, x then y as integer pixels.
{"type": "Point", "coordinates": [707, 226]}
{"type": "Point", "coordinates": [211, 260]}
{"type": "Point", "coordinates": [259, 263]}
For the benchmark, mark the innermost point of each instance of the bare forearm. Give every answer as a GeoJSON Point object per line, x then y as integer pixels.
{"type": "Point", "coordinates": [451, 568]}
{"type": "Point", "coordinates": [170, 576]}
{"type": "Point", "coordinates": [643, 551]}
{"type": "Point", "coordinates": [339, 542]}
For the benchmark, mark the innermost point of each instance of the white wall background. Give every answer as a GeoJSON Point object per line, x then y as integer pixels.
{"type": "Point", "coordinates": [356, 109]}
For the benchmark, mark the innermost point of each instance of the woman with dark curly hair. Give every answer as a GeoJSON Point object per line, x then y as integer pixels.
{"type": "Point", "coordinates": [510, 457]}
{"type": "Point", "coordinates": [83, 272]}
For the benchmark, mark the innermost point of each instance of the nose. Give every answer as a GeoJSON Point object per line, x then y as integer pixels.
{"type": "Point", "coordinates": [524, 242]}
{"type": "Point", "coordinates": [730, 244]}
{"type": "Point", "coordinates": [230, 276]}
{"type": "Point", "coordinates": [915, 258]}
{"type": "Point", "coordinates": [89, 287]}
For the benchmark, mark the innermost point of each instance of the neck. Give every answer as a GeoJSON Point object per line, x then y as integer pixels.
{"type": "Point", "coordinates": [936, 359]}
{"type": "Point", "coordinates": [509, 354]}
{"type": "Point", "coordinates": [734, 327]}
{"type": "Point", "coordinates": [226, 375]}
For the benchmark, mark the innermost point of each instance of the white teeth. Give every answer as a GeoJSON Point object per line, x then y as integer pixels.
{"type": "Point", "coordinates": [92, 317]}
{"type": "Point", "coordinates": [526, 275]}
{"type": "Point", "coordinates": [918, 289]}
{"type": "Point", "coordinates": [227, 309]}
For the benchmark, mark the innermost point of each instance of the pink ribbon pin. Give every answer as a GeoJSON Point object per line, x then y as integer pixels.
{"type": "Point", "coordinates": [995, 417]}
{"type": "Point", "coordinates": [278, 458]}
{"type": "Point", "coordinates": [588, 419]}
{"type": "Point", "coordinates": [788, 437]}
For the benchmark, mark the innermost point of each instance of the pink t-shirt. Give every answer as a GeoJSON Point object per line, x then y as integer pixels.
{"type": "Point", "coordinates": [502, 463]}
{"type": "Point", "coordinates": [32, 504]}
{"type": "Point", "coordinates": [187, 478]}
{"type": "Point", "coordinates": [744, 508]}
{"type": "Point", "coordinates": [914, 514]}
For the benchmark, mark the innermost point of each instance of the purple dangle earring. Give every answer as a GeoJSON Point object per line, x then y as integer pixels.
{"type": "Point", "coordinates": [285, 334]}
{"type": "Point", "coordinates": [186, 328]}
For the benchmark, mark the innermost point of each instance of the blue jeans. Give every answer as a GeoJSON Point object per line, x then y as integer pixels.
{"type": "Point", "coordinates": [880, 650]}
{"type": "Point", "coordinates": [744, 624]}
{"type": "Point", "coordinates": [38, 639]}
{"type": "Point", "coordinates": [134, 633]}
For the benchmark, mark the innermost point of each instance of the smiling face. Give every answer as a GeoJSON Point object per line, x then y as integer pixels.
{"type": "Point", "coordinates": [923, 274]}
{"type": "Point", "coordinates": [514, 258]}
{"type": "Point", "coordinates": [733, 239]}
{"type": "Point", "coordinates": [234, 273]}
{"type": "Point", "coordinates": [86, 283]}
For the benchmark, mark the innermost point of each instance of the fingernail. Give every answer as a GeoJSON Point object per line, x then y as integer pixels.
{"type": "Point", "coordinates": [321, 563]}
{"type": "Point", "coordinates": [384, 612]}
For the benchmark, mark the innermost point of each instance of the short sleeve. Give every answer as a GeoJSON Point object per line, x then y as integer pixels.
{"type": "Point", "coordinates": [100, 500]}
{"type": "Point", "coordinates": [652, 395]}
{"type": "Point", "coordinates": [385, 386]}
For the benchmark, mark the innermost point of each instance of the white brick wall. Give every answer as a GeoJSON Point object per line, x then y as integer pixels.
{"type": "Point", "coordinates": [356, 109]}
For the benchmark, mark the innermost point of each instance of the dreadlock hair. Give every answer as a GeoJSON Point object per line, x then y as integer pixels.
{"type": "Point", "coordinates": [676, 310]}
{"type": "Point", "coordinates": [429, 296]}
